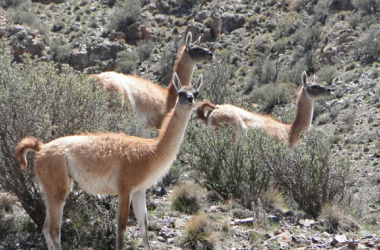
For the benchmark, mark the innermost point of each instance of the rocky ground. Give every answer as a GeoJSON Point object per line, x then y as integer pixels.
{"type": "Point", "coordinates": [351, 118]}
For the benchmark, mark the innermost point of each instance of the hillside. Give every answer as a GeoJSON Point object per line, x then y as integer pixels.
{"type": "Point", "coordinates": [260, 50]}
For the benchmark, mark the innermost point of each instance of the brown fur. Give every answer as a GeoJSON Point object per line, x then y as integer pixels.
{"type": "Point", "coordinates": [204, 109]}
{"type": "Point", "coordinates": [30, 143]}
{"type": "Point", "coordinates": [151, 102]}
{"type": "Point", "coordinates": [107, 164]}
{"type": "Point", "coordinates": [242, 119]}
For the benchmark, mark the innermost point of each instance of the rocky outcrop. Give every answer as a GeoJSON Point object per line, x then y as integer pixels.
{"type": "Point", "coordinates": [23, 40]}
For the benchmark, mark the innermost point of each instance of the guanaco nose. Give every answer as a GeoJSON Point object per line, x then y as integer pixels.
{"type": "Point", "coordinates": [190, 98]}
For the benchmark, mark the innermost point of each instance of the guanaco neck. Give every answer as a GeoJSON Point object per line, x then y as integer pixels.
{"type": "Point", "coordinates": [303, 118]}
{"type": "Point", "coordinates": [184, 67]}
{"type": "Point", "coordinates": [172, 132]}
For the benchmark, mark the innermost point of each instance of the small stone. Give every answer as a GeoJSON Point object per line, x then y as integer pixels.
{"type": "Point", "coordinates": [306, 222]}
{"type": "Point", "coordinates": [178, 224]}
{"type": "Point", "coordinates": [339, 240]}
{"type": "Point", "coordinates": [161, 239]}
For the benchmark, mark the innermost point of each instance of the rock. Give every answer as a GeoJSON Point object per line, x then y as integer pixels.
{"type": "Point", "coordinates": [202, 15]}
{"type": "Point", "coordinates": [160, 191]}
{"type": "Point", "coordinates": [246, 221]}
{"type": "Point", "coordinates": [161, 239]}
{"type": "Point", "coordinates": [147, 33]}
{"type": "Point", "coordinates": [214, 209]}
{"type": "Point", "coordinates": [178, 224]}
{"type": "Point", "coordinates": [231, 22]}
{"type": "Point", "coordinates": [339, 240]}
{"type": "Point", "coordinates": [306, 222]}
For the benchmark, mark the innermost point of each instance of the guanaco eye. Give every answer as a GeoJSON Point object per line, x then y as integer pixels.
{"type": "Point", "coordinates": [313, 86]}
{"type": "Point", "coordinates": [180, 94]}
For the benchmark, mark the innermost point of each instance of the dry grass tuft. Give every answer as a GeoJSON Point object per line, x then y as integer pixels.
{"type": "Point", "coordinates": [197, 231]}
{"type": "Point", "coordinates": [186, 199]}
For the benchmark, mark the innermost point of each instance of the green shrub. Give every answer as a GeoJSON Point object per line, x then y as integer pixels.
{"type": "Point", "coordinates": [353, 19]}
{"type": "Point", "coordinates": [228, 167]}
{"type": "Point", "coordinates": [123, 14]}
{"type": "Point", "coordinates": [61, 50]}
{"type": "Point", "coordinates": [25, 13]}
{"type": "Point", "coordinates": [217, 78]}
{"type": "Point", "coordinates": [288, 25]}
{"type": "Point", "coordinates": [310, 174]}
{"type": "Point", "coordinates": [126, 61]}
{"type": "Point", "coordinates": [308, 38]}
{"type": "Point", "coordinates": [10, 3]}
{"type": "Point", "coordinates": [273, 94]}
{"type": "Point", "coordinates": [280, 45]}
{"type": "Point", "coordinates": [245, 169]}
{"type": "Point", "coordinates": [327, 74]}
{"type": "Point", "coordinates": [263, 71]}
{"type": "Point", "coordinates": [369, 46]}
{"type": "Point", "coordinates": [368, 7]}
{"type": "Point", "coordinates": [320, 12]}
{"type": "Point", "coordinates": [144, 49]}
{"type": "Point", "coordinates": [292, 73]}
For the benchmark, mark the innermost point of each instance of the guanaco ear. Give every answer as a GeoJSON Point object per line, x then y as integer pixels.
{"type": "Point", "coordinates": [189, 38]}
{"type": "Point", "coordinates": [304, 78]}
{"type": "Point", "coordinates": [198, 41]}
{"type": "Point", "coordinates": [176, 82]}
{"type": "Point", "coordinates": [199, 83]}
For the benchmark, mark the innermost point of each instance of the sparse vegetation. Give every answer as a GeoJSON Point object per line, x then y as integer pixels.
{"type": "Point", "coordinates": [126, 61]}
{"type": "Point", "coordinates": [185, 199]}
{"type": "Point", "coordinates": [197, 234]}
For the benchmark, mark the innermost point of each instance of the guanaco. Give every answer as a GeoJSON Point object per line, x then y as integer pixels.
{"type": "Point", "coordinates": [148, 101]}
{"type": "Point", "coordinates": [241, 120]}
{"type": "Point", "coordinates": [108, 163]}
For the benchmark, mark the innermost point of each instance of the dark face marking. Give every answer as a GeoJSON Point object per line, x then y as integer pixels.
{"type": "Point", "coordinates": [198, 53]}
{"type": "Point", "coordinates": [316, 90]}
{"type": "Point", "coordinates": [187, 95]}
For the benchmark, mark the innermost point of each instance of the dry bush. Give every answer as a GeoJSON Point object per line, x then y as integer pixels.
{"type": "Point", "coordinates": [186, 199]}
{"type": "Point", "coordinates": [335, 219]}
{"type": "Point", "coordinates": [197, 232]}
{"type": "Point", "coordinates": [296, 5]}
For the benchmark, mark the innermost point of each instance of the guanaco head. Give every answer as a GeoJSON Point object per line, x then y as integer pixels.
{"type": "Point", "coordinates": [187, 94]}
{"type": "Point", "coordinates": [313, 89]}
{"type": "Point", "coordinates": [197, 53]}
